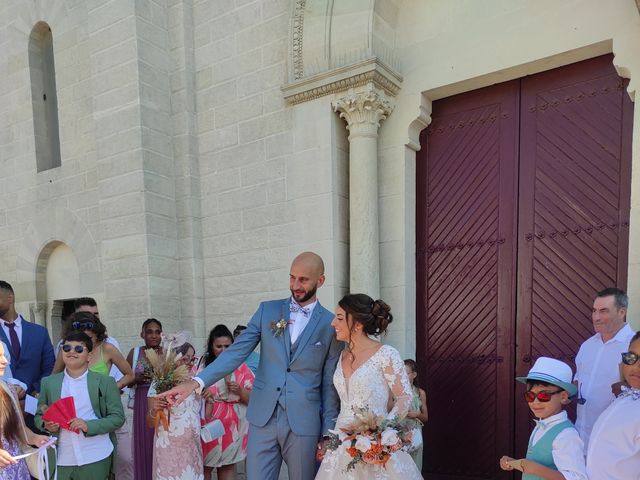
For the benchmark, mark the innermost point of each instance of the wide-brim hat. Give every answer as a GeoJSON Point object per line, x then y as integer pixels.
{"type": "Point", "coordinates": [553, 372]}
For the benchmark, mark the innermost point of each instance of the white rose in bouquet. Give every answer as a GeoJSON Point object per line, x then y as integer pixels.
{"type": "Point", "coordinates": [390, 437]}
{"type": "Point", "coordinates": [363, 444]}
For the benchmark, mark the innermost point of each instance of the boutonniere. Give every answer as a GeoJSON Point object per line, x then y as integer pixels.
{"type": "Point", "coordinates": [278, 328]}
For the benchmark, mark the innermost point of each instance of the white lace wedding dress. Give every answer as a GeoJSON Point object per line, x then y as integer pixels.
{"type": "Point", "coordinates": [371, 386]}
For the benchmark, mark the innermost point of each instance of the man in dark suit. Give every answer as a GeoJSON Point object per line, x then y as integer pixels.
{"type": "Point", "coordinates": [29, 344]}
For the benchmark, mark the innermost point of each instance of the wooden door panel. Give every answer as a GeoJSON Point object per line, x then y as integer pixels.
{"type": "Point", "coordinates": [573, 207]}
{"type": "Point", "coordinates": [535, 170]}
{"type": "Point", "coordinates": [466, 219]}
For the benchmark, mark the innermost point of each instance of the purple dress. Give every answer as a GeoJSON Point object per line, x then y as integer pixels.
{"type": "Point", "coordinates": [19, 471]}
{"type": "Point", "coordinates": [142, 434]}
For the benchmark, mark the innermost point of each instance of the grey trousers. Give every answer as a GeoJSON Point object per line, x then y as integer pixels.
{"type": "Point", "coordinates": [270, 444]}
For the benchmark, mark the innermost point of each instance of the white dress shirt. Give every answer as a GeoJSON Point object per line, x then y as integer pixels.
{"type": "Point", "coordinates": [614, 449]}
{"type": "Point", "coordinates": [597, 367]}
{"type": "Point", "coordinates": [18, 328]}
{"type": "Point", "coordinates": [567, 449]}
{"type": "Point", "coordinates": [76, 448]}
{"type": "Point", "coordinates": [300, 320]}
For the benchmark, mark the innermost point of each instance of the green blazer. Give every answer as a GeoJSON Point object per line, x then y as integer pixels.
{"type": "Point", "coordinates": [105, 400]}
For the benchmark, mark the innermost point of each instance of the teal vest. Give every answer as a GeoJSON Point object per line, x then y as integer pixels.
{"type": "Point", "coordinates": [541, 452]}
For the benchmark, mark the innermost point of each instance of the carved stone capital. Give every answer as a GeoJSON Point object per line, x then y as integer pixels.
{"type": "Point", "coordinates": [37, 312]}
{"type": "Point", "coordinates": [364, 109]}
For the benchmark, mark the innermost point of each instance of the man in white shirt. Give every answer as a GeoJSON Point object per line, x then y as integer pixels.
{"type": "Point", "coordinates": [123, 468]}
{"type": "Point", "coordinates": [598, 360]}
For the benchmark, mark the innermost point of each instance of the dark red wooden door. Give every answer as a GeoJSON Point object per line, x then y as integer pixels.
{"type": "Point", "coordinates": [574, 199]}
{"type": "Point", "coordinates": [466, 262]}
{"type": "Point", "coordinates": [533, 172]}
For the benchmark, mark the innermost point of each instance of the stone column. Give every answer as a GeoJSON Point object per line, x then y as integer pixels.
{"type": "Point", "coordinates": [363, 109]}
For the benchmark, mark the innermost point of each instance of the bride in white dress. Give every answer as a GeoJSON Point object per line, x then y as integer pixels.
{"type": "Point", "coordinates": [368, 376]}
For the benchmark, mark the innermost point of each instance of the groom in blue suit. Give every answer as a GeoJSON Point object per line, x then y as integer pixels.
{"type": "Point", "coordinates": [293, 402]}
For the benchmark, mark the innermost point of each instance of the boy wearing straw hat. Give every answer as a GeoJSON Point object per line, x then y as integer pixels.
{"type": "Point", "coordinates": [555, 451]}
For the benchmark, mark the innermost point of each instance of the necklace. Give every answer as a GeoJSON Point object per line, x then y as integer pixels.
{"type": "Point", "coordinates": [354, 352]}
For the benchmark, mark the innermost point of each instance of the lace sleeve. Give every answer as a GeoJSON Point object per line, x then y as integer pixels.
{"type": "Point", "coordinates": [398, 382]}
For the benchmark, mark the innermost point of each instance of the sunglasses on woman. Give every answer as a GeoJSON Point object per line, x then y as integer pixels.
{"type": "Point", "coordinates": [543, 397]}
{"type": "Point", "coordinates": [82, 325]}
{"type": "Point", "coordinates": [630, 358]}
{"type": "Point", "coordinates": [76, 348]}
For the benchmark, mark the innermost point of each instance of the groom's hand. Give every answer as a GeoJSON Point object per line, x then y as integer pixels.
{"type": "Point", "coordinates": [321, 450]}
{"type": "Point", "coordinates": [179, 393]}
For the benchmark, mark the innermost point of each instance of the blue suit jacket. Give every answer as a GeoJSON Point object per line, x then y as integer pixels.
{"type": "Point", "coordinates": [304, 379]}
{"type": "Point", "coordinates": [36, 355]}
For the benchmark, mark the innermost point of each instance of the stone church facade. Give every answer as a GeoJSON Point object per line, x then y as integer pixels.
{"type": "Point", "coordinates": [170, 157]}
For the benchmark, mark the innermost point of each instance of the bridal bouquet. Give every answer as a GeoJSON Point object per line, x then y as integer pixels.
{"type": "Point", "coordinates": [164, 370]}
{"type": "Point", "coordinates": [371, 439]}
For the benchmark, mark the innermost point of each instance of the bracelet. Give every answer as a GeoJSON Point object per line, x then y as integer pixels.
{"type": "Point", "coordinates": [152, 417]}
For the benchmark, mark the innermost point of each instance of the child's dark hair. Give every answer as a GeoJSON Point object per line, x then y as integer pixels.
{"type": "Point", "coordinates": [541, 383]}
{"type": "Point", "coordinates": [80, 337]}
{"type": "Point", "coordinates": [414, 368]}
{"type": "Point", "coordinates": [216, 332]}
{"type": "Point", "coordinates": [184, 348]}
{"type": "Point", "coordinates": [635, 337]}
{"type": "Point", "coordinates": [149, 321]}
{"type": "Point", "coordinates": [83, 318]}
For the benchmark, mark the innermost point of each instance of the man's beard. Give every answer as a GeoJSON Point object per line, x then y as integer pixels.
{"type": "Point", "coordinates": [307, 296]}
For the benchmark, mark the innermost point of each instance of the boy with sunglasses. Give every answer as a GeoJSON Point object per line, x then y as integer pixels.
{"type": "Point", "coordinates": [555, 451]}
{"type": "Point", "coordinates": [614, 448]}
{"type": "Point", "coordinates": [85, 450]}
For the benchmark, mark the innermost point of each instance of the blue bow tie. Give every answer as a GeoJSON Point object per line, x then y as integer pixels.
{"type": "Point", "coordinates": [295, 308]}
{"type": "Point", "coordinates": [634, 393]}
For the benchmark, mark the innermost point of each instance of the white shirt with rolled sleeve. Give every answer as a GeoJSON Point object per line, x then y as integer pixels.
{"type": "Point", "coordinates": [597, 367]}
{"type": "Point", "coordinates": [614, 449]}
{"type": "Point", "coordinates": [567, 449]}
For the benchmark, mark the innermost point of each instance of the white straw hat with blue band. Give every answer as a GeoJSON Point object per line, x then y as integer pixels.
{"type": "Point", "coordinates": [551, 371]}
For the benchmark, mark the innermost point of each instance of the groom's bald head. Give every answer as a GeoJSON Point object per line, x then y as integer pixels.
{"type": "Point", "coordinates": [305, 277]}
{"type": "Point", "coordinates": [311, 261]}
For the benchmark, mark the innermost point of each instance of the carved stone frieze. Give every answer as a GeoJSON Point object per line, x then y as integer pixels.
{"type": "Point", "coordinates": [364, 109]}
{"type": "Point", "coordinates": [297, 36]}
{"type": "Point", "coordinates": [370, 71]}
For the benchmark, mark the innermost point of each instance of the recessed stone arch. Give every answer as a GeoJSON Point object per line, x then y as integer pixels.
{"type": "Point", "coordinates": [53, 227]}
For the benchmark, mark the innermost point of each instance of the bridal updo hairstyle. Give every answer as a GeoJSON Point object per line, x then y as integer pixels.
{"type": "Point", "coordinates": [374, 315]}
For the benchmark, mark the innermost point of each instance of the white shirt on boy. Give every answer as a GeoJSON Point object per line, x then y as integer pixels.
{"type": "Point", "coordinates": [597, 367]}
{"type": "Point", "coordinates": [76, 449]}
{"type": "Point", "coordinates": [614, 449]}
{"type": "Point", "coordinates": [567, 448]}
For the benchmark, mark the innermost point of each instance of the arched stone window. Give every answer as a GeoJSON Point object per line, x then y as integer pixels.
{"type": "Point", "coordinates": [44, 98]}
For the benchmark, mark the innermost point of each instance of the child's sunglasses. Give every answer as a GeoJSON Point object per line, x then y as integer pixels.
{"type": "Point", "coordinates": [544, 397]}
{"type": "Point", "coordinates": [82, 325]}
{"type": "Point", "coordinates": [630, 358]}
{"type": "Point", "coordinates": [76, 348]}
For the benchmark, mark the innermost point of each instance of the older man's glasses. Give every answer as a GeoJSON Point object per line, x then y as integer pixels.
{"type": "Point", "coordinates": [82, 325]}
{"type": "Point", "coordinates": [543, 397]}
{"type": "Point", "coordinates": [75, 348]}
{"type": "Point", "coordinates": [630, 358]}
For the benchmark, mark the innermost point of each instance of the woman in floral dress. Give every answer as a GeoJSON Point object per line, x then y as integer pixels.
{"type": "Point", "coordinates": [176, 451]}
{"type": "Point", "coordinates": [226, 401]}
